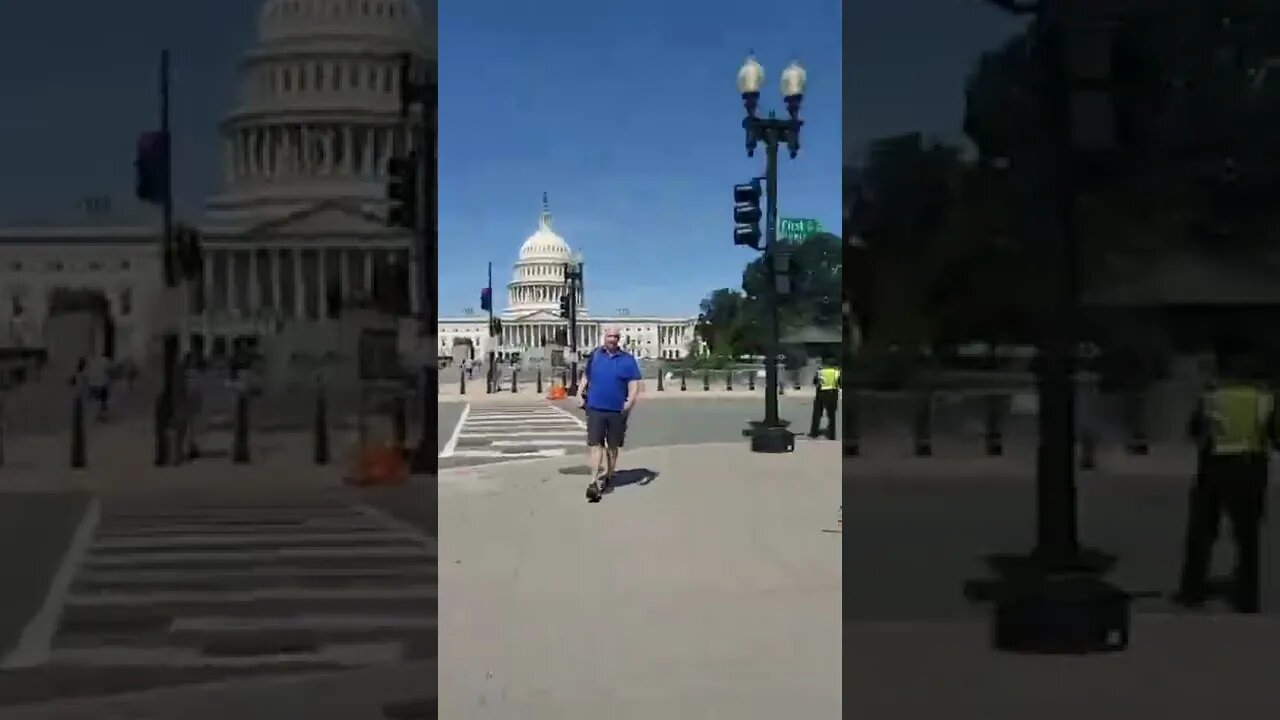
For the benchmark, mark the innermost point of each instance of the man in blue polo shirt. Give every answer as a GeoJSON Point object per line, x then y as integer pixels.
{"type": "Point", "coordinates": [610, 385]}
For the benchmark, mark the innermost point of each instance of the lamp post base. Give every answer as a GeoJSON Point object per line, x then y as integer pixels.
{"type": "Point", "coordinates": [1054, 603]}
{"type": "Point", "coordinates": [770, 438]}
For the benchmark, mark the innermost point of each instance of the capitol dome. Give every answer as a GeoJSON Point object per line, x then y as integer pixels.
{"type": "Point", "coordinates": [318, 110]}
{"type": "Point", "coordinates": [539, 280]}
{"type": "Point", "coordinates": [309, 19]}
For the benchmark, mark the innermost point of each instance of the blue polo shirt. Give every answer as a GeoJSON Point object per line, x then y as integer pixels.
{"type": "Point", "coordinates": [608, 378]}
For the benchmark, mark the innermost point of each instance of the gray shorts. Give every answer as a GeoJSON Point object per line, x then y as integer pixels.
{"type": "Point", "coordinates": [606, 427]}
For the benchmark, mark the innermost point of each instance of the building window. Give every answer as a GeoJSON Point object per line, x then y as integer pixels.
{"type": "Point", "coordinates": [124, 264]}
{"type": "Point", "coordinates": [15, 266]}
{"type": "Point", "coordinates": [126, 302]}
{"type": "Point", "coordinates": [55, 265]}
{"type": "Point", "coordinates": [16, 308]}
{"type": "Point", "coordinates": [95, 266]}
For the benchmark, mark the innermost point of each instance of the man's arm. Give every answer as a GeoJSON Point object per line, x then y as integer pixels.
{"type": "Point", "coordinates": [633, 385]}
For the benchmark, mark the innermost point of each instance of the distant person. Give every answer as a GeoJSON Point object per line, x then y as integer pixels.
{"type": "Point", "coordinates": [190, 392]}
{"type": "Point", "coordinates": [1234, 425]}
{"type": "Point", "coordinates": [609, 386]}
{"type": "Point", "coordinates": [826, 399]}
{"type": "Point", "coordinates": [98, 374]}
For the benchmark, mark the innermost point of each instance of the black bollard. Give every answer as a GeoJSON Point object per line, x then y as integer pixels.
{"type": "Point", "coordinates": [852, 442]}
{"type": "Point", "coordinates": [684, 374]}
{"type": "Point", "coordinates": [796, 381]}
{"type": "Point", "coordinates": [923, 425]}
{"type": "Point", "coordinates": [399, 422]}
{"type": "Point", "coordinates": [539, 382]}
{"type": "Point", "coordinates": [1138, 442]}
{"type": "Point", "coordinates": [751, 381]}
{"type": "Point", "coordinates": [77, 431]}
{"type": "Point", "coordinates": [240, 449]}
{"type": "Point", "coordinates": [728, 380]}
{"type": "Point", "coordinates": [322, 427]}
{"type": "Point", "coordinates": [781, 386]}
{"type": "Point", "coordinates": [706, 380]}
{"type": "Point", "coordinates": [161, 435]}
{"type": "Point", "coordinates": [661, 372]}
{"type": "Point", "coordinates": [515, 384]}
{"type": "Point", "coordinates": [994, 435]}
{"type": "Point", "coordinates": [462, 381]}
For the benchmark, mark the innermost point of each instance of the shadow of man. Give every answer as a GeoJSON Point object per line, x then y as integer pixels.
{"type": "Point", "coordinates": [634, 476]}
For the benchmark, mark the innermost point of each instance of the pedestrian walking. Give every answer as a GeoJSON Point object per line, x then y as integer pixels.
{"type": "Point", "coordinates": [1234, 424]}
{"type": "Point", "coordinates": [610, 385]}
{"type": "Point", "coordinates": [98, 376]}
{"type": "Point", "coordinates": [189, 390]}
{"type": "Point", "coordinates": [826, 399]}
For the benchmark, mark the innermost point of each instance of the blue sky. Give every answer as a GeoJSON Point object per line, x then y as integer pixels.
{"type": "Point", "coordinates": [627, 115]}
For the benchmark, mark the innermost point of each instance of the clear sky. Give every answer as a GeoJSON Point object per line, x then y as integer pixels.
{"type": "Point", "coordinates": [627, 115]}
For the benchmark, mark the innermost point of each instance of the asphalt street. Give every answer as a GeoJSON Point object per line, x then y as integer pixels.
{"type": "Point", "coordinates": [910, 545]}
{"type": "Point", "coordinates": [137, 590]}
{"type": "Point", "coordinates": [510, 431]}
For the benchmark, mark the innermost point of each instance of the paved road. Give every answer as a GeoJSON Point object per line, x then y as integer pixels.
{"type": "Point", "coordinates": [513, 431]}
{"type": "Point", "coordinates": [139, 590]}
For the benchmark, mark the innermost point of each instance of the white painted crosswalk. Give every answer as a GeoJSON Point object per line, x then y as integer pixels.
{"type": "Point", "coordinates": [514, 432]}
{"type": "Point", "coordinates": [243, 588]}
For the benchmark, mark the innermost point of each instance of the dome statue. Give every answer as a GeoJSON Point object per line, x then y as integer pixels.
{"type": "Point", "coordinates": [545, 243]}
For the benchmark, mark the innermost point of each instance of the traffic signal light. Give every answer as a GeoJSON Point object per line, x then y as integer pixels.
{"type": "Point", "coordinates": [152, 165]}
{"type": "Point", "coordinates": [746, 214]}
{"type": "Point", "coordinates": [565, 311]}
{"type": "Point", "coordinates": [486, 299]}
{"type": "Point", "coordinates": [402, 191]}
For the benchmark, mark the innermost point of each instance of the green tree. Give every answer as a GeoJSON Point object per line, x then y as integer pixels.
{"type": "Point", "coordinates": [814, 269]}
{"type": "Point", "coordinates": [720, 321]}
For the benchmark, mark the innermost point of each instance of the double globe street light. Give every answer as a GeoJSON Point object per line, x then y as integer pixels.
{"type": "Point", "coordinates": [770, 435]}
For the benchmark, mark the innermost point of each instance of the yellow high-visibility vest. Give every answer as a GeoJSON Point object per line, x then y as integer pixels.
{"type": "Point", "coordinates": [1236, 418]}
{"type": "Point", "coordinates": [828, 378]}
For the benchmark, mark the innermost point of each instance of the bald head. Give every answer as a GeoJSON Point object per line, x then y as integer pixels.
{"type": "Point", "coordinates": [611, 335]}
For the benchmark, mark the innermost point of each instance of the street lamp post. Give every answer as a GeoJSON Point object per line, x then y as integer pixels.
{"type": "Point", "coordinates": [771, 435]}
{"type": "Point", "coordinates": [573, 281]}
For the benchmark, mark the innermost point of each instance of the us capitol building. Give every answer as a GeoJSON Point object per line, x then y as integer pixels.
{"type": "Point", "coordinates": [532, 315]}
{"type": "Point", "coordinates": [300, 221]}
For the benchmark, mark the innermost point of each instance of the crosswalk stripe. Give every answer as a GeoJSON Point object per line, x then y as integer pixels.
{"type": "Point", "coordinates": [139, 576]}
{"type": "Point", "coordinates": [302, 622]}
{"type": "Point", "coordinates": [346, 654]}
{"type": "Point", "coordinates": [251, 556]}
{"type": "Point", "coordinates": [176, 541]}
{"type": "Point", "coordinates": [548, 452]}
{"type": "Point", "coordinates": [240, 597]}
{"type": "Point", "coordinates": [534, 442]}
{"type": "Point", "coordinates": [549, 433]}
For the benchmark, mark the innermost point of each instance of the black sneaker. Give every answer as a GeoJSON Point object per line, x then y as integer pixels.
{"type": "Point", "coordinates": [595, 490]}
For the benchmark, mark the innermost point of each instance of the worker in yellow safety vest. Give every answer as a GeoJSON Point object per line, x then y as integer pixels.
{"type": "Point", "coordinates": [1234, 424]}
{"type": "Point", "coordinates": [826, 399]}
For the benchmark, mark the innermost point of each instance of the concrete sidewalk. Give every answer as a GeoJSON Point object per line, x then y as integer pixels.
{"type": "Point", "coordinates": [353, 695]}
{"type": "Point", "coordinates": [709, 590]}
{"type": "Point", "coordinates": [1177, 668]}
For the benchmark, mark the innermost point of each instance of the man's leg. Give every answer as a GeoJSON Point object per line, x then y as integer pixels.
{"type": "Point", "coordinates": [816, 423]}
{"type": "Point", "coordinates": [616, 438]}
{"type": "Point", "coordinates": [831, 399]}
{"type": "Point", "coordinates": [1203, 521]}
{"type": "Point", "coordinates": [595, 441]}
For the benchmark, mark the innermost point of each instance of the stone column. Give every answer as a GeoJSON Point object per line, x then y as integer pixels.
{"type": "Point", "coordinates": [322, 281]}
{"type": "Point", "coordinates": [344, 273]}
{"type": "Point", "coordinates": [299, 290]}
{"type": "Point", "coordinates": [306, 168]}
{"type": "Point", "coordinates": [368, 271]}
{"type": "Point", "coordinates": [229, 158]}
{"type": "Point", "coordinates": [414, 267]}
{"type": "Point", "coordinates": [329, 135]}
{"type": "Point", "coordinates": [367, 168]}
{"type": "Point", "coordinates": [255, 289]}
{"type": "Point", "coordinates": [276, 259]}
{"type": "Point", "coordinates": [207, 281]}
{"type": "Point", "coordinates": [349, 159]}
{"type": "Point", "coordinates": [230, 276]}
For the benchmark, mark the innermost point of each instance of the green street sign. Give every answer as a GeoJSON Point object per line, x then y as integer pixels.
{"type": "Point", "coordinates": [797, 228]}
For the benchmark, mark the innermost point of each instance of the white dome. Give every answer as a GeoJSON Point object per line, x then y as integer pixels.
{"type": "Point", "coordinates": [306, 19]}
{"type": "Point", "coordinates": [545, 244]}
